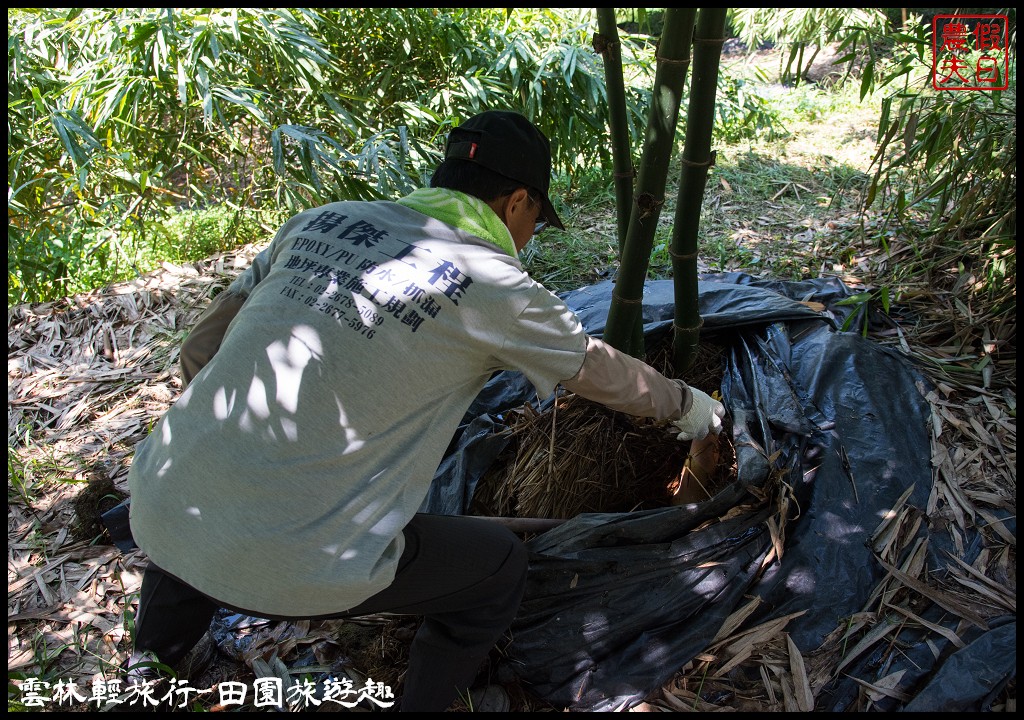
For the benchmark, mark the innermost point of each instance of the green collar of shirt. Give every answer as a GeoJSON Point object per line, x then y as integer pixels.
{"type": "Point", "coordinates": [462, 211]}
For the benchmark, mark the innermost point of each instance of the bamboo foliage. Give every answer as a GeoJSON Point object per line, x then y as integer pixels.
{"type": "Point", "coordinates": [697, 159]}
{"type": "Point", "coordinates": [120, 117]}
{"type": "Point", "coordinates": [803, 32]}
{"type": "Point", "coordinates": [624, 316]}
{"type": "Point", "coordinates": [950, 160]}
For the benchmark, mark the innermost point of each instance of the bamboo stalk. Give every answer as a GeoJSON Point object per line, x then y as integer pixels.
{"type": "Point", "coordinates": [624, 316]}
{"type": "Point", "coordinates": [606, 43]}
{"type": "Point", "coordinates": [697, 159]}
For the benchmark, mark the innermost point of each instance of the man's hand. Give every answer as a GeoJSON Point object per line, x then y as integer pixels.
{"type": "Point", "coordinates": [705, 416]}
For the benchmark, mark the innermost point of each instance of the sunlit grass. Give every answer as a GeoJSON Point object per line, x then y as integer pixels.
{"type": "Point", "coordinates": [196, 234]}
{"type": "Point", "coordinates": [97, 257]}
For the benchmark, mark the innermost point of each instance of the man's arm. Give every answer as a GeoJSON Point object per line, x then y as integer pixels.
{"type": "Point", "coordinates": [623, 383]}
{"type": "Point", "coordinates": [205, 339]}
{"type": "Point", "coordinates": [628, 385]}
{"type": "Point", "coordinates": [208, 334]}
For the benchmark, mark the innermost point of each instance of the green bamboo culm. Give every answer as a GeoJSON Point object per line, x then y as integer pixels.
{"type": "Point", "coordinates": [624, 327]}
{"type": "Point", "coordinates": [697, 159]}
{"type": "Point", "coordinates": [607, 45]}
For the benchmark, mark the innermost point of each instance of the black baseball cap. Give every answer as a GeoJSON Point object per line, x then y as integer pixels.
{"type": "Point", "coordinates": [507, 143]}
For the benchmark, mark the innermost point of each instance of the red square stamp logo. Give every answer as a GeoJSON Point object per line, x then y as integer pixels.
{"type": "Point", "coordinates": [970, 52]}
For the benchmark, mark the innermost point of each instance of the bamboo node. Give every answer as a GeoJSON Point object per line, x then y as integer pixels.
{"type": "Point", "coordinates": [603, 45]}
{"type": "Point", "coordinates": [682, 256]}
{"type": "Point", "coordinates": [680, 328]}
{"type": "Point", "coordinates": [616, 296]}
{"type": "Point", "coordinates": [673, 61]}
{"type": "Point", "coordinates": [710, 162]}
{"type": "Point", "coordinates": [647, 204]}
{"type": "Point", "coordinates": [709, 41]}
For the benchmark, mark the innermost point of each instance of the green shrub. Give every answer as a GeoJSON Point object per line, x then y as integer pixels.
{"type": "Point", "coordinates": [117, 118]}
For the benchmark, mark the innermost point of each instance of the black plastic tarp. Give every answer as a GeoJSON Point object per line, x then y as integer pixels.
{"type": "Point", "coordinates": [616, 603]}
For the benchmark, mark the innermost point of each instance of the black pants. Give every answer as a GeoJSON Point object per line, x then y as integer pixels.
{"type": "Point", "coordinates": [464, 575]}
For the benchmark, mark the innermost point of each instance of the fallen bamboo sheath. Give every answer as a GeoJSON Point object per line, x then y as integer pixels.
{"type": "Point", "coordinates": [523, 524]}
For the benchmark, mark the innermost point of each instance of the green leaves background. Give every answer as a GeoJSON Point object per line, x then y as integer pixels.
{"type": "Point", "coordinates": [119, 118]}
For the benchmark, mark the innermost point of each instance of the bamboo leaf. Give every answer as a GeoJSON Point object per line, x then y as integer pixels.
{"type": "Point", "coordinates": [182, 83]}
{"type": "Point", "coordinates": [867, 80]}
{"type": "Point", "coordinates": [940, 598]}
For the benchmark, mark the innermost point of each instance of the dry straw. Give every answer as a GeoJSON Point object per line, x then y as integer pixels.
{"type": "Point", "coordinates": [578, 456]}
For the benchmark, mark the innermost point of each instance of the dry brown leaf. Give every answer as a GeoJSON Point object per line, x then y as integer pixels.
{"type": "Point", "coordinates": [879, 631]}
{"type": "Point", "coordinates": [940, 598]}
{"type": "Point", "coordinates": [789, 701]}
{"type": "Point", "coordinates": [739, 647]}
{"type": "Point", "coordinates": [889, 530]}
{"type": "Point", "coordinates": [675, 702]}
{"type": "Point", "coordinates": [769, 686]}
{"type": "Point", "coordinates": [983, 561]}
{"type": "Point", "coordinates": [886, 687]}
{"type": "Point", "coordinates": [998, 526]}
{"type": "Point", "coordinates": [736, 619]}
{"type": "Point", "coordinates": [801, 684]}
{"type": "Point", "coordinates": [934, 627]}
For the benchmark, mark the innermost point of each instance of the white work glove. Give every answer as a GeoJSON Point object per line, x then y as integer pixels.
{"type": "Point", "coordinates": [705, 415]}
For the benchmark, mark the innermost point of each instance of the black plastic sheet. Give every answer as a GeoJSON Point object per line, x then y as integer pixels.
{"type": "Point", "coordinates": [616, 603]}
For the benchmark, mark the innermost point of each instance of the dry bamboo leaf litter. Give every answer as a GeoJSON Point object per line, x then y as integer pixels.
{"type": "Point", "coordinates": [595, 461]}
{"type": "Point", "coordinates": [934, 627]}
{"type": "Point", "coordinates": [943, 599]}
{"type": "Point", "coordinates": [734, 621]}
